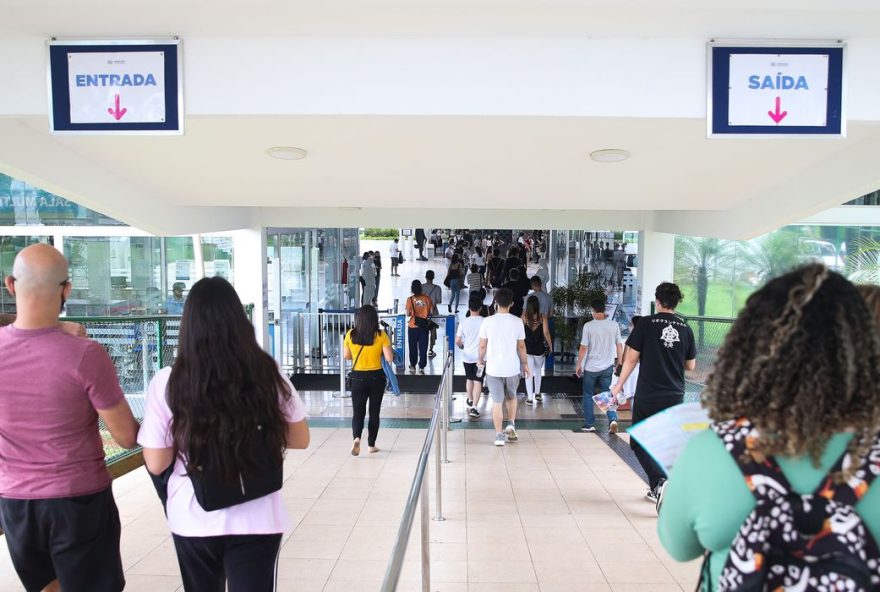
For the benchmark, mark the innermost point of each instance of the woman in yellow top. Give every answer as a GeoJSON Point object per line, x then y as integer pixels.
{"type": "Point", "coordinates": [418, 309]}
{"type": "Point", "coordinates": [366, 344]}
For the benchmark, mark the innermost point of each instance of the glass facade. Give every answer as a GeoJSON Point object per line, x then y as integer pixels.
{"type": "Point", "coordinates": [718, 276]}
{"type": "Point", "coordinates": [9, 248]}
{"type": "Point", "coordinates": [22, 204]}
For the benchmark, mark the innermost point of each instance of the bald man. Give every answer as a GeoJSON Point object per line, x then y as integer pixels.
{"type": "Point", "coordinates": [56, 505]}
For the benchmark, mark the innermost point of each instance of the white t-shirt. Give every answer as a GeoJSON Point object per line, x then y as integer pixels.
{"type": "Point", "coordinates": [601, 339]}
{"type": "Point", "coordinates": [469, 332]}
{"type": "Point", "coordinates": [264, 515]}
{"type": "Point", "coordinates": [502, 331]}
{"type": "Point", "coordinates": [394, 250]}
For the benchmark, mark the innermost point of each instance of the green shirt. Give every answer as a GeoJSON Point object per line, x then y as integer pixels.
{"type": "Point", "coordinates": [707, 500]}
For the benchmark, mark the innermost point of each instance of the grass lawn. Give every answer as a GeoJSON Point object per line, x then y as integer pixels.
{"type": "Point", "coordinates": [719, 300]}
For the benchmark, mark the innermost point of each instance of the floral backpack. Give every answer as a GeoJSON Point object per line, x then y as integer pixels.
{"type": "Point", "coordinates": [799, 543]}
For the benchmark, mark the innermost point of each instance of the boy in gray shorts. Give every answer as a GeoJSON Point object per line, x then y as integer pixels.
{"type": "Point", "coordinates": [503, 355]}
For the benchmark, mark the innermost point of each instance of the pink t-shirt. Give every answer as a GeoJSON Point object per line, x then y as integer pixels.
{"type": "Point", "coordinates": [51, 383]}
{"type": "Point", "coordinates": [186, 517]}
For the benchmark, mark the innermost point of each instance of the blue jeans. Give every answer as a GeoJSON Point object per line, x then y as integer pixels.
{"type": "Point", "coordinates": [595, 383]}
{"type": "Point", "coordinates": [455, 288]}
{"type": "Point", "coordinates": [418, 347]}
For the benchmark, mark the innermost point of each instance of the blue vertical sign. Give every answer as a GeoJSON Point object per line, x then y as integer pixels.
{"type": "Point", "coordinates": [399, 344]}
{"type": "Point", "coordinates": [776, 90]}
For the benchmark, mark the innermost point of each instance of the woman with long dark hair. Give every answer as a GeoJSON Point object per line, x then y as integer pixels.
{"type": "Point", "coordinates": [795, 400]}
{"type": "Point", "coordinates": [537, 345]}
{"type": "Point", "coordinates": [222, 414]}
{"type": "Point", "coordinates": [365, 345]}
{"type": "Point", "coordinates": [454, 275]}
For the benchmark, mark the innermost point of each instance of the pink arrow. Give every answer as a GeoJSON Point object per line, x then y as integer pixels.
{"type": "Point", "coordinates": [117, 113]}
{"type": "Point", "coordinates": [776, 116]}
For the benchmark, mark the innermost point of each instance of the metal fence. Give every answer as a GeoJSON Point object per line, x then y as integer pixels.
{"type": "Point", "coordinates": [709, 333]}
{"type": "Point", "coordinates": [139, 347]}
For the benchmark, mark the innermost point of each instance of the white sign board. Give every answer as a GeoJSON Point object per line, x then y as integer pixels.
{"type": "Point", "coordinates": [111, 87]}
{"type": "Point", "coordinates": [784, 90]}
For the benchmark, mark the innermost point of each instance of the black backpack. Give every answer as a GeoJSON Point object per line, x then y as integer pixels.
{"type": "Point", "coordinates": [798, 542]}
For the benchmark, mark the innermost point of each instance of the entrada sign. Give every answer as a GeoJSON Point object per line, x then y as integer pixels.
{"type": "Point", "coordinates": [116, 87]}
{"type": "Point", "coordinates": [776, 90]}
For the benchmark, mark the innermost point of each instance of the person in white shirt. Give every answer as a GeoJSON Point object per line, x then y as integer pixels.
{"type": "Point", "coordinates": [503, 354]}
{"type": "Point", "coordinates": [394, 252]}
{"type": "Point", "coordinates": [468, 339]}
{"type": "Point", "coordinates": [600, 347]}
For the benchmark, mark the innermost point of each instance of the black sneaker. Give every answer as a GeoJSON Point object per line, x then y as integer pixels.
{"type": "Point", "coordinates": [432, 354]}
{"type": "Point", "coordinates": [530, 402]}
{"type": "Point", "coordinates": [473, 413]}
{"type": "Point", "coordinates": [469, 402]}
{"type": "Point", "coordinates": [651, 496]}
{"type": "Point", "coordinates": [658, 492]}
{"type": "Point", "coordinates": [539, 398]}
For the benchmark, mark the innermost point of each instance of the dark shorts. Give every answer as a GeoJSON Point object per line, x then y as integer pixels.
{"type": "Point", "coordinates": [74, 540]}
{"type": "Point", "coordinates": [470, 372]}
{"type": "Point", "coordinates": [233, 563]}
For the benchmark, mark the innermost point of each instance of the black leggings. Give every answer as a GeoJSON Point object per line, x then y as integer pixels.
{"type": "Point", "coordinates": [243, 563]}
{"type": "Point", "coordinates": [366, 386]}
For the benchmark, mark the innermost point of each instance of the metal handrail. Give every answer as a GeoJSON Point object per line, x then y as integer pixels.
{"type": "Point", "coordinates": [418, 492]}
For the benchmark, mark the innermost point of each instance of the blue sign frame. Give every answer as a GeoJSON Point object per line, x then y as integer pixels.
{"type": "Point", "coordinates": [719, 79]}
{"type": "Point", "coordinates": [59, 93]}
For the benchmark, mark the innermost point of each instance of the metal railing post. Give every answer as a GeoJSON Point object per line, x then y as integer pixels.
{"type": "Point", "coordinates": [439, 474]}
{"type": "Point", "coordinates": [426, 539]}
{"type": "Point", "coordinates": [342, 392]}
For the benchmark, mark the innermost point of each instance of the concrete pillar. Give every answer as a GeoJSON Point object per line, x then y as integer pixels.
{"type": "Point", "coordinates": [250, 276]}
{"type": "Point", "coordinates": [656, 264]}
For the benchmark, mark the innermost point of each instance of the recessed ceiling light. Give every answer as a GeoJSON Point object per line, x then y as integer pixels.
{"type": "Point", "coordinates": [609, 155]}
{"type": "Point", "coordinates": [287, 153]}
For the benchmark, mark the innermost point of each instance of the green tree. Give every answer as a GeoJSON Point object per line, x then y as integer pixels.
{"type": "Point", "coordinates": [864, 264]}
{"type": "Point", "coordinates": [700, 259]}
{"type": "Point", "coordinates": [773, 254]}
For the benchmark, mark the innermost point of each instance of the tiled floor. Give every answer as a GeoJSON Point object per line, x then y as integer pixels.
{"type": "Point", "coordinates": [555, 511]}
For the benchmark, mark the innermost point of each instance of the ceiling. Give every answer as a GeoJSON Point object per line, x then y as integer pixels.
{"type": "Point", "coordinates": [595, 18]}
{"type": "Point", "coordinates": [451, 162]}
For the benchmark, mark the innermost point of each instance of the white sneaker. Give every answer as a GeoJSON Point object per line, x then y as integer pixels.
{"type": "Point", "coordinates": [499, 439]}
{"type": "Point", "coordinates": [510, 432]}
{"type": "Point", "coordinates": [612, 427]}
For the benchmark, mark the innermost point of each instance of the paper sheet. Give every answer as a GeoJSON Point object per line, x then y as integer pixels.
{"type": "Point", "coordinates": [665, 435]}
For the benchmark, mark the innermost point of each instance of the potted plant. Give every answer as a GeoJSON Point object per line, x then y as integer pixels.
{"type": "Point", "coordinates": [572, 303]}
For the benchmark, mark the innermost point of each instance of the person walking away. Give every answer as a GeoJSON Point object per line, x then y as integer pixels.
{"type": "Point", "coordinates": [474, 280]}
{"type": "Point", "coordinates": [368, 279]}
{"type": "Point", "coordinates": [420, 243]}
{"type": "Point", "coordinates": [503, 355]}
{"type": "Point", "coordinates": [495, 268]}
{"type": "Point", "coordinates": [366, 345]}
{"type": "Point", "coordinates": [545, 301]}
{"type": "Point", "coordinates": [600, 347]}
{"type": "Point", "coordinates": [663, 346]}
{"type": "Point", "coordinates": [512, 262]}
{"type": "Point", "coordinates": [537, 345]}
{"type": "Point", "coordinates": [518, 290]}
{"type": "Point", "coordinates": [220, 419]}
{"type": "Point", "coordinates": [394, 254]}
{"type": "Point", "coordinates": [478, 259]}
{"type": "Point", "coordinates": [619, 260]}
{"type": "Point", "coordinates": [435, 293]}
{"type": "Point", "coordinates": [454, 275]}
{"type": "Point", "coordinates": [796, 409]}
{"type": "Point", "coordinates": [57, 509]}
{"type": "Point", "coordinates": [377, 263]}
{"type": "Point", "coordinates": [418, 309]}
{"type": "Point", "coordinates": [467, 339]}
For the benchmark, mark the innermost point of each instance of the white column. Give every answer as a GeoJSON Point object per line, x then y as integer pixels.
{"type": "Point", "coordinates": [251, 278]}
{"type": "Point", "coordinates": [656, 264]}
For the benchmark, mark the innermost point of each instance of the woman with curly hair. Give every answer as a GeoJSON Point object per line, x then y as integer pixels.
{"type": "Point", "coordinates": [800, 369]}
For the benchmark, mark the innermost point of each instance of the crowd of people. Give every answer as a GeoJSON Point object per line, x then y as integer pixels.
{"type": "Point", "coordinates": [793, 396]}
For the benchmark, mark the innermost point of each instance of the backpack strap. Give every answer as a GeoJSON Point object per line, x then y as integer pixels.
{"type": "Point", "coordinates": [763, 475]}
{"type": "Point", "coordinates": [857, 486]}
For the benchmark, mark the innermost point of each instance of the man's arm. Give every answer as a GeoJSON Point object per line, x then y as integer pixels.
{"type": "Point", "coordinates": [481, 359]}
{"type": "Point", "coordinates": [690, 365]}
{"type": "Point", "coordinates": [579, 369]}
{"type": "Point", "coordinates": [619, 353]}
{"type": "Point", "coordinates": [523, 360]}
{"type": "Point", "coordinates": [121, 424]}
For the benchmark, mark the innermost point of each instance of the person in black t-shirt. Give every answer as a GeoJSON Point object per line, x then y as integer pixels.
{"type": "Point", "coordinates": [664, 345]}
{"type": "Point", "coordinates": [518, 290]}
